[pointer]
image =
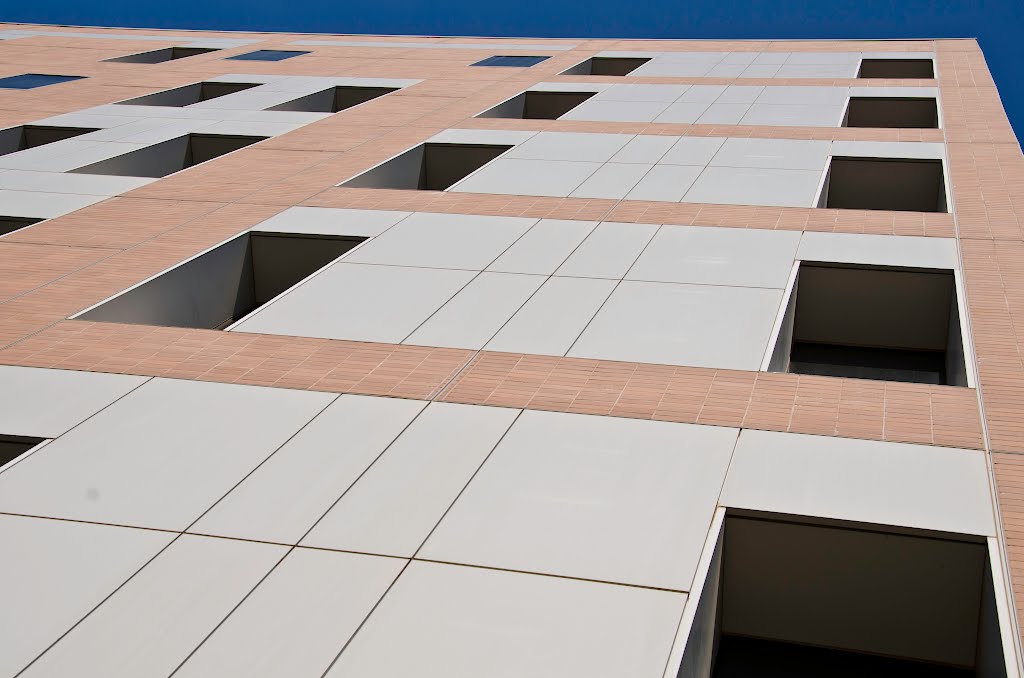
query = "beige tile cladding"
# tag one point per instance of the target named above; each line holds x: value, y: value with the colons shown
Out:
x: 58, y: 267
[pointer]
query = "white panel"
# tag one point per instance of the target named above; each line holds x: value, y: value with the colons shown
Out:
x: 395, y: 505
x: 772, y: 154
x: 160, y: 456
x: 658, y: 69
x: 740, y: 94
x: 748, y: 186
x: 555, y: 178
x: 443, y: 241
x: 647, y: 149
x: 889, y: 149
x: 898, y: 92
x: 723, y: 114
x: 570, y: 146
x: 724, y: 70
x: 702, y: 94
x: 297, y: 620
x: 497, y: 137
x: 155, y: 620
x: 601, y: 498
x: 544, y: 247
x: 879, y: 250
x: 479, y: 310
x: 55, y: 572
x: 46, y: 403
x: 609, y: 251
x: 693, y: 151
x: 36, y: 205
x: 463, y: 622
x: 718, y: 256
x: 288, y: 493
x: 709, y: 58
x: 667, y: 183
x: 328, y: 221
x: 696, y: 325
x: 811, y: 58
x: 79, y: 184
x: 794, y: 115
x: 760, y: 71
x: 359, y: 302
x: 611, y: 181
x: 813, y: 96
x: 817, y: 71
x: 683, y: 112
x: 551, y: 320
x: 663, y: 93
x: 869, y: 481
x: 256, y: 128
x: 616, y: 111
x: 766, y: 58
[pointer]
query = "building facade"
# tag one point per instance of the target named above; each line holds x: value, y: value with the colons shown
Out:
x: 387, y: 356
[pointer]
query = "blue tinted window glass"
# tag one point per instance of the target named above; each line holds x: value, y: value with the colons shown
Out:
x: 267, y: 55
x: 518, y: 61
x: 33, y: 80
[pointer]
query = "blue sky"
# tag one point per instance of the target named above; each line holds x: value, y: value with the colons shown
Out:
x: 998, y: 24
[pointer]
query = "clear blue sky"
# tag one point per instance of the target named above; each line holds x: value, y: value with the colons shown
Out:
x: 998, y: 24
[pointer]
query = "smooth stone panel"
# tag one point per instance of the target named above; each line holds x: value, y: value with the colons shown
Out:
x: 445, y: 621
x: 599, y: 498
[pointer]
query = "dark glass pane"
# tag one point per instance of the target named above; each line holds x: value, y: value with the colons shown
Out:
x: 267, y: 55
x: 33, y: 80
x: 515, y: 61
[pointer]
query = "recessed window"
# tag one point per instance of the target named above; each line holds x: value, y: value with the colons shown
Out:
x: 12, y: 447
x: 885, y: 184
x: 892, y: 112
x: 428, y: 167
x: 607, y: 66
x: 800, y: 598
x: 33, y: 80
x: 513, y: 61
x: 897, y: 68
x: 334, y: 99
x: 190, y: 94
x: 159, y: 56
x: 224, y: 284
x: 14, y: 139
x: 894, y: 324
x: 169, y: 157
x: 12, y: 224
x: 538, y: 105
x: 267, y: 55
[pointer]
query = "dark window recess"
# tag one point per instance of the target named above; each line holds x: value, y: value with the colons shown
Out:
x: 607, y: 66
x: 428, y: 167
x: 33, y: 80
x: 873, y: 323
x: 12, y: 447
x: 792, y: 597
x: 885, y: 184
x: 170, y: 156
x: 538, y: 105
x: 267, y: 55
x: 334, y: 99
x: 12, y: 224
x: 897, y: 68
x: 14, y: 139
x: 190, y: 94
x: 159, y: 56
x: 513, y: 61
x: 225, y: 284
x: 892, y: 112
